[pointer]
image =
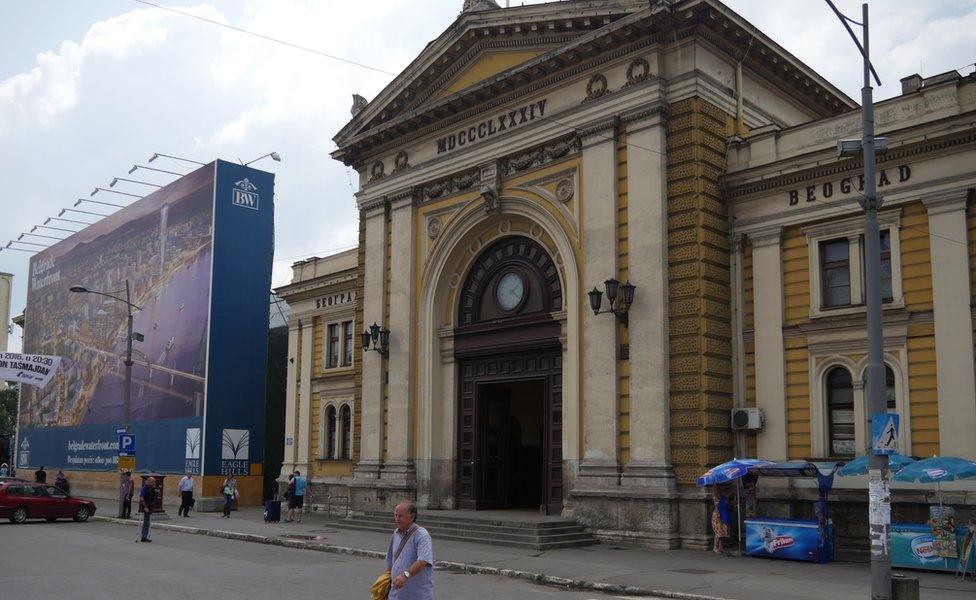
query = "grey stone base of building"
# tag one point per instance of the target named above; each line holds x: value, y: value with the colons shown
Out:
x: 651, y: 516
x: 643, y: 510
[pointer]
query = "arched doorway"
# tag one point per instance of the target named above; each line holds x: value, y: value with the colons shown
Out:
x: 509, y: 355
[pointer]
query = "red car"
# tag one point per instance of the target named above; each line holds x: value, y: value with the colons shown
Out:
x: 20, y: 500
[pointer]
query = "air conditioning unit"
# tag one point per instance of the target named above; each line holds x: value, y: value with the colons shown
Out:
x: 747, y: 418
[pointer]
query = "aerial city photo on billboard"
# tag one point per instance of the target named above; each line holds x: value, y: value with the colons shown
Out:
x: 161, y: 245
x: 160, y: 251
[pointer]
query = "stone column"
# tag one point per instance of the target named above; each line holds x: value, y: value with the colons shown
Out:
x: 738, y: 338
x: 767, y: 273
x: 304, y: 440
x: 399, y: 464
x: 291, y: 399
x: 374, y: 303
x: 600, y: 465
x: 647, y: 218
x: 951, y: 301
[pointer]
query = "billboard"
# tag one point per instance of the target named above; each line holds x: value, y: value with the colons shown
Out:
x: 196, y: 256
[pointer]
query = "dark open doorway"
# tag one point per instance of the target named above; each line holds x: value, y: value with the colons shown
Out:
x: 512, y: 443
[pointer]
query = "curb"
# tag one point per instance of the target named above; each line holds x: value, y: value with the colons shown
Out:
x: 455, y: 567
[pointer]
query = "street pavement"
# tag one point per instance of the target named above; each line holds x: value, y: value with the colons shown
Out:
x: 677, y: 571
x: 683, y: 571
x: 103, y: 561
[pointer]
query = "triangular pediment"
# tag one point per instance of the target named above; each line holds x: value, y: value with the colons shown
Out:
x: 482, y: 44
x: 486, y: 65
x: 490, y: 53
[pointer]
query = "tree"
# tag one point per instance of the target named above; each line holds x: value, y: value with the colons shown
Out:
x: 8, y: 411
x: 8, y: 419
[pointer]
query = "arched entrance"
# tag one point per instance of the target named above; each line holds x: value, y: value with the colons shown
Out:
x: 509, y: 401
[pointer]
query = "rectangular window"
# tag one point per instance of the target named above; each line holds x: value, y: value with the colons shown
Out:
x: 835, y: 272
x: 333, y: 346
x: 886, y: 295
x: 347, y: 343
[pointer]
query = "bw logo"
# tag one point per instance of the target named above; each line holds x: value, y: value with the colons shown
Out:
x: 245, y: 194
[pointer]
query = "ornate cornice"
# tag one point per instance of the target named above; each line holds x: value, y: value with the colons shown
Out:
x: 845, y: 167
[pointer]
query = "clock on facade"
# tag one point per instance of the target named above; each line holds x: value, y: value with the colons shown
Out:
x: 510, y: 291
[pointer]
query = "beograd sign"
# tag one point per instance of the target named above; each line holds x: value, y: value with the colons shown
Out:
x: 487, y: 128
x: 812, y: 193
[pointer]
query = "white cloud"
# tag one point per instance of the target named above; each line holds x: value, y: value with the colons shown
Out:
x: 50, y: 89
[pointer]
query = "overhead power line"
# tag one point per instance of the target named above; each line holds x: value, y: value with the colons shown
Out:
x: 263, y: 37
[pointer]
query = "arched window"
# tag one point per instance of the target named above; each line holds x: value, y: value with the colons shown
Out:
x: 840, y: 412
x: 890, y: 404
x: 345, y: 429
x: 330, y: 436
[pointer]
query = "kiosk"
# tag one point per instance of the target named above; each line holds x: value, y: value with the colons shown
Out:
x: 810, y: 540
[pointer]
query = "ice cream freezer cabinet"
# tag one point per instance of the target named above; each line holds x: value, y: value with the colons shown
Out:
x: 790, y: 539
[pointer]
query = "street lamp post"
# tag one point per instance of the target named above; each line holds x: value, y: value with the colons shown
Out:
x: 127, y: 391
x: 879, y: 498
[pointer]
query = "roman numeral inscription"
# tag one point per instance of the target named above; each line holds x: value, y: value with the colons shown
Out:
x: 489, y: 127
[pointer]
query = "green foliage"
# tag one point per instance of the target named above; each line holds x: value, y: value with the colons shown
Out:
x: 8, y: 411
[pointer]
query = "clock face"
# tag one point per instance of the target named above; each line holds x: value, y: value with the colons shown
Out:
x: 510, y: 291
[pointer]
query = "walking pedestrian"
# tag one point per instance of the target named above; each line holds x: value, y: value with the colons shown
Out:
x: 229, y: 490
x: 128, y: 489
x: 4, y: 470
x: 410, y: 557
x: 186, y: 494
x: 61, y: 482
x: 147, y: 499
x: 720, y: 520
x: 296, y: 503
x: 40, y: 475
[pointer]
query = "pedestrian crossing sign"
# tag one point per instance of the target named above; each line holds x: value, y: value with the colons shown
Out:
x: 884, y: 433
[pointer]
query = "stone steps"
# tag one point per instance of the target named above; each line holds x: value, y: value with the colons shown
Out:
x: 549, y: 534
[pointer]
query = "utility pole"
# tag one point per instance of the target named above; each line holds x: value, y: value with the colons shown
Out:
x: 127, y: 392
x: 879, y: 494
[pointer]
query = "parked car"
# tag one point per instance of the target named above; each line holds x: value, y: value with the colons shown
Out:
x: 21, y: 500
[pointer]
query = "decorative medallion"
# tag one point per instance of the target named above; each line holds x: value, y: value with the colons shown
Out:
x: 637, y: 71
x: 535, y: 231
x: 401, y: 161
x: 377, y: 170
x: 504, y: 227
x: 596, y: 87
x: 434, y: 227
x: 564, y: 190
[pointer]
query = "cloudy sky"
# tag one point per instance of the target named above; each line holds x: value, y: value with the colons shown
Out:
x: 90, y: 87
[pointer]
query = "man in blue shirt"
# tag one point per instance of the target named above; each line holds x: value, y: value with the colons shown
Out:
x: 297, y: 500
x: 410, y: 557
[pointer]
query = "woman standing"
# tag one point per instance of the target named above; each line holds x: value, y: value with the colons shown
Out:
x: 720, y: 520
x: 229, y: 489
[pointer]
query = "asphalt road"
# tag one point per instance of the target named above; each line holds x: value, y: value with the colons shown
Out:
x: 103, y: 561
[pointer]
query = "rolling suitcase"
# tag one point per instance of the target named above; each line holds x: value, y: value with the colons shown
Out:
x: 272, y: 511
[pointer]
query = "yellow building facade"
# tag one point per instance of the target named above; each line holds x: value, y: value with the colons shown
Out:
x: 533, y: 160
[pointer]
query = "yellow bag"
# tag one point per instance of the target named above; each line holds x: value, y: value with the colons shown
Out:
x: 380, y: 589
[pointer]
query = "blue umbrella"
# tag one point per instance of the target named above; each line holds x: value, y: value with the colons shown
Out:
x: 731, y: 470
x: 859, y: 466
x: 937, y: 469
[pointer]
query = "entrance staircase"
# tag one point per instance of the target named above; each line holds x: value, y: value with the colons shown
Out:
x: 499, y: 528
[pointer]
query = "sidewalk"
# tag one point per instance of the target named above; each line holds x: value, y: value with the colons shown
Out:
x: 679, y: 574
